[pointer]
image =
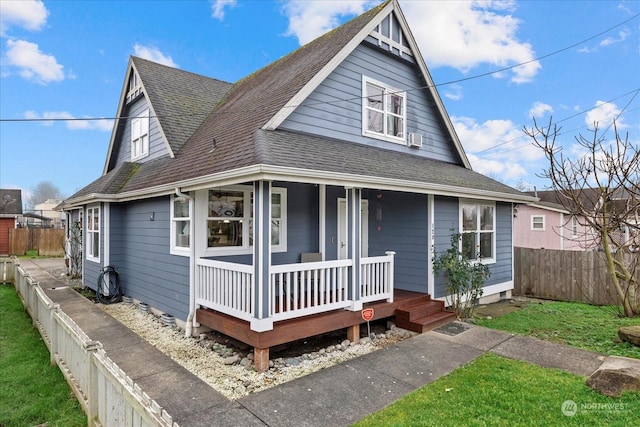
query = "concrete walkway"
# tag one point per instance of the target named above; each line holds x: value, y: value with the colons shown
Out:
x: 336, y: 396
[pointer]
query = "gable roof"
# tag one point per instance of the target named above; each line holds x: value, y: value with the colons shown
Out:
x: 235, y: 142
x: 179, y: 100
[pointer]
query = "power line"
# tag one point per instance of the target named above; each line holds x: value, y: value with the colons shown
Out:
x: 501, y: 70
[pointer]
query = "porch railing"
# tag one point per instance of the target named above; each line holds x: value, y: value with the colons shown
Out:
x: 226, y: 287
x: 295, y: 290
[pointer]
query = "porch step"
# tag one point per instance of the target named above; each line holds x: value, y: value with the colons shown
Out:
x: 419, y: 309
x: 423, y: 316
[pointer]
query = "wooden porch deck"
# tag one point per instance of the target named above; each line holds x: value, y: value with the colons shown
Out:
x: 413, y: 311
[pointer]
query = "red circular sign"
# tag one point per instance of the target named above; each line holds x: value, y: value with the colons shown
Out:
x: 367, y: 314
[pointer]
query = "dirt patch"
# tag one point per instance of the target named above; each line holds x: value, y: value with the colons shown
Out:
x: 501, y: 308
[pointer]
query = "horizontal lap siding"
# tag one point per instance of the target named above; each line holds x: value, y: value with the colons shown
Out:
x: 447, y: 218
x: 334, y: 109
x: 157, y: 147
x: 148, y: 272
x: 402, y: 228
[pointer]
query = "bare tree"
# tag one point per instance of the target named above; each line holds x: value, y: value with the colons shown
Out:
x: 42, y: 192
x: 602, y: 188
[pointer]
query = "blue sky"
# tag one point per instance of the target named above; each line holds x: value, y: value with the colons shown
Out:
x: 67, y: 59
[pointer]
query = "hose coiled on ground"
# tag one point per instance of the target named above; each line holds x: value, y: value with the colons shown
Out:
x: 108, y: 282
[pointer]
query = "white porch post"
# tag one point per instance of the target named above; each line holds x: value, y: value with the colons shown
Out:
x: 354, y: 200
x: 261, y: 255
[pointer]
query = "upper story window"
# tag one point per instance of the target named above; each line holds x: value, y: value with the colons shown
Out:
x: 140, y: 136
x: 384, y: 113
x: 230, y: 220
x: 180, y: 225
x: 537, y: 222
x: 93, y: 233
x: 477, y: 226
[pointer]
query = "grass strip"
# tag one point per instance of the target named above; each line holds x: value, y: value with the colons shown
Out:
x: 32, y: 392
x: 495, y: 391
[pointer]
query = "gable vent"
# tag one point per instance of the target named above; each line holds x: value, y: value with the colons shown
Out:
x: 415, y: 140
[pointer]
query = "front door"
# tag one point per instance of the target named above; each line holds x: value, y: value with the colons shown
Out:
x: 343, y: 249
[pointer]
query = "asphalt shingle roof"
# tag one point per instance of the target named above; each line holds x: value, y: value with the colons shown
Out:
x: 231, y: 137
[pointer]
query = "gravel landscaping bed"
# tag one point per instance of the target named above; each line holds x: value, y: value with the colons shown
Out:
x: 227, y: 365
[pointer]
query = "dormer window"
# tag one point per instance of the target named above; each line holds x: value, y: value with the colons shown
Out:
x: 140, y: 136
x: 384, y: 111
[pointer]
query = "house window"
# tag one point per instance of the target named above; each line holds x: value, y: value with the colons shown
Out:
x: 180, y: 225
x: 230, y: 219
x: 574, y: 226
x: 384, y: 112
x: 140, y: 136
x: 537, y: 222
x: 93, y: 233
x: 478, y: 224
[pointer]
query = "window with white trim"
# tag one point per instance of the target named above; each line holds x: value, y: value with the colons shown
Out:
x: 574, y: 226
x: 477, y: 229
x: 180, y: 225
x: 140, y: 136
x: 537, y: 223
x: 229, y: 219
x: 384, y: 112
x: 93, y: 233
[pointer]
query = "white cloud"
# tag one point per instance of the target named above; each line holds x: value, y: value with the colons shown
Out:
x: 453, y: 92
x: 465, y: 34
x: 458, y: 34
x: 153, y: 54
x: 622, y: 36
x: 602, y: 115
x: 539, y: 109
x: 28, y: 14
x: 218, y: 6
x: 33, y: 64
x: 310, y: 19
x: 72, y: 123
x: 497, y: 148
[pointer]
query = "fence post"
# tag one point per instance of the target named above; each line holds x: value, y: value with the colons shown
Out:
x: 92, y: 393
x: 53, y: 311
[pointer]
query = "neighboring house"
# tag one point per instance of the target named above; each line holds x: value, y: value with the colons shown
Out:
x: 280, y: 206
x: 10, y: 211
x: 47, y: 209
x: 547, y: 225
x: 575, y: 234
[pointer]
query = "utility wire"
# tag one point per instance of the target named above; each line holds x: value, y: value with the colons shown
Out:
x: 346, y: 99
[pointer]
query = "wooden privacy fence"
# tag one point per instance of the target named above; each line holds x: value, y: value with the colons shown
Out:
x: 565, y: 275
x: 48, y: 241
x: 107, y: 395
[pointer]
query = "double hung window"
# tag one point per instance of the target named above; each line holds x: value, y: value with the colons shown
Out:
x: 140, y: 136
x: 93, y: 233
x: 537, y: 222
x: 384, y: 111
x: 478, y: 231
x: 180, y: 225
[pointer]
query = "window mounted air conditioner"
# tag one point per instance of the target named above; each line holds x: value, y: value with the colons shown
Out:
x: 415, y: 140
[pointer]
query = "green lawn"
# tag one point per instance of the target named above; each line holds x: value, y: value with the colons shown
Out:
x: 494, y: 391
x: 579, y: 325
x: 32, y: 392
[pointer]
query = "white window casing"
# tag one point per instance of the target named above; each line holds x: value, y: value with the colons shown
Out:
x: 93, y: 233
x: 478, y: 230
x: 180, y: 212
x: 384, y: 111
x: 229, y: 220
x: 538, y: 222
x: 140, y: 136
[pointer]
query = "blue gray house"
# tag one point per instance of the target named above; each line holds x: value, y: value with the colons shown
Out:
x: 280, y: 206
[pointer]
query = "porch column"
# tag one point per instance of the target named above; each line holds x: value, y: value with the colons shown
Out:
x: 261, y: 255
x: 354, y: 235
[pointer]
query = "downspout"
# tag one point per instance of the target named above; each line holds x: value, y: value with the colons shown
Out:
x: 192, y: 266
